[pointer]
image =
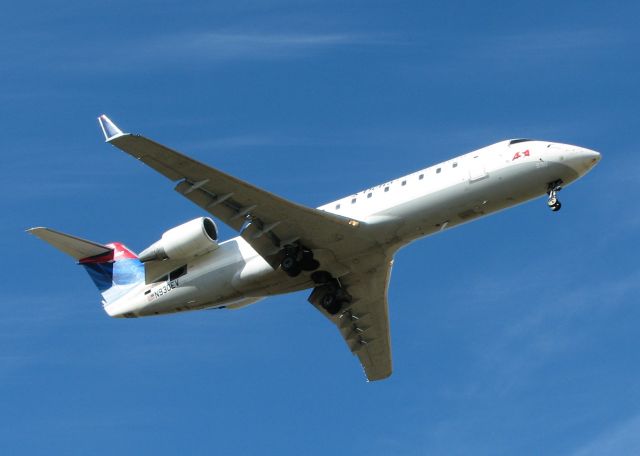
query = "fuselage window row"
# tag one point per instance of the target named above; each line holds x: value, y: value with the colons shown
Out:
x: 402, y: 183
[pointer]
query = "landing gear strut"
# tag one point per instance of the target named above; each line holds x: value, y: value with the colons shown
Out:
x: 553, y: 202
x: 297, y: 259
x: 328, y: 293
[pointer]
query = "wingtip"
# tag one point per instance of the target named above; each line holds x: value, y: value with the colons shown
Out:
x: 109, y: 129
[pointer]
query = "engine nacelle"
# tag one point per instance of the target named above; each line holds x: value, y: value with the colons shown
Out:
x: 185, y: 241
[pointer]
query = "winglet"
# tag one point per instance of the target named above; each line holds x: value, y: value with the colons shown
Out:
x: 109, y: 129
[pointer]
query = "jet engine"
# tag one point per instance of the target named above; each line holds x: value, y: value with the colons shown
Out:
x: 185, y: 241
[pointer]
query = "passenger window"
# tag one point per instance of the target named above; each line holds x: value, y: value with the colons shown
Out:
x: 421, y: 176
x: 369, y: 195
x: 438, y: 170
x: 386, y: 189
x: 455, y: 165
x: 353, y: 201
x: 337, y: 206
x: 182, y: 270
x: 404, y: 182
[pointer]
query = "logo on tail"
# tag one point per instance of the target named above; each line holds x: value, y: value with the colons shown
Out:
x: 115, y: 272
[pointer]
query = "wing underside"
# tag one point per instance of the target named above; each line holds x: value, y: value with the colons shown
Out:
x: 266, y: 221
x: 364, y: 323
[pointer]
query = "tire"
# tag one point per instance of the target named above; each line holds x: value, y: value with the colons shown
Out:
x: 321, y: 277
x: 295, y: 272
x: 552, y: 201
x: 556, y: 207
x: 288, y: 263
x: 331, y: 303
x: 291, y: 266
x: 309, y: 264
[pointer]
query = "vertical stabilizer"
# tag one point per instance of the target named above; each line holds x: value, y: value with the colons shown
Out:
x: 114, y: 269
x: 116, y: 272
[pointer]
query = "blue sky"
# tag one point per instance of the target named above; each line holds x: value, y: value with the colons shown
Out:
x: 516, y: 334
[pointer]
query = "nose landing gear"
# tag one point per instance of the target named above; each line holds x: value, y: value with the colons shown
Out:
x: 553, y: 202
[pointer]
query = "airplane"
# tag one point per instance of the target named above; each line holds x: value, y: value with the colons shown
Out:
x: 343, y: 251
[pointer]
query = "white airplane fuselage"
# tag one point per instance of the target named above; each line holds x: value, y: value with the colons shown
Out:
x: 396, y: 213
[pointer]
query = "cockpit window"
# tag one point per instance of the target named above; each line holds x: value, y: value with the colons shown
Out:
x: 520, y: 140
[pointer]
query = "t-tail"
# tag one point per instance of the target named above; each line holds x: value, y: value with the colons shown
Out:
x: 114, y: 269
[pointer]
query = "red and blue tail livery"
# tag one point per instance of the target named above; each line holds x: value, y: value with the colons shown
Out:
x: 114, y: 269
x: 115, y: 272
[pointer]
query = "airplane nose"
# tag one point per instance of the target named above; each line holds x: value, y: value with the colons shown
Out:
x: 582, y: 160
x: 589, y: 157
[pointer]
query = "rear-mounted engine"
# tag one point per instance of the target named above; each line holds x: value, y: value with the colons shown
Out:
x: 185, y: 241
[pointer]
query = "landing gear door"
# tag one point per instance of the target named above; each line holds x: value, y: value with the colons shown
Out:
x: 477, y: 171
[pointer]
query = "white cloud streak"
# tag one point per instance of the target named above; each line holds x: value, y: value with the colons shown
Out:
x: 623, y: 439
x: 192, y: 49
x: 238, y: 46
x: 530, y: 341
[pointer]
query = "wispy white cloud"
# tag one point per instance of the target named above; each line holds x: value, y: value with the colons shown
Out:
x: 214, y: 45
x: 540, y: 334
x: 204, y: 47
x: 622, y: 439
x: 131, y: 53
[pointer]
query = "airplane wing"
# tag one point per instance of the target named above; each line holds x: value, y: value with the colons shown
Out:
x: 364, y: 323
x: 266, y: 221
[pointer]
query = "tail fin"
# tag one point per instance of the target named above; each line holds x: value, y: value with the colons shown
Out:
x: 114, y: 269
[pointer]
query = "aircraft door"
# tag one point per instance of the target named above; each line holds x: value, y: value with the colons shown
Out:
x: 477, y: 171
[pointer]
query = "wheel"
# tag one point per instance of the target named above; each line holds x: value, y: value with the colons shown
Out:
x: 288, y: 263
x: 290, y: 266
x: 308, y: 263
x: 331, y: 303
x: 321, y: 277
x: 552, y: 201
x: 556, y: 207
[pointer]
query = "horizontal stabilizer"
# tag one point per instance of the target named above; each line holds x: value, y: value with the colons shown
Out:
x: 74, y: 246
x: 109, y: 129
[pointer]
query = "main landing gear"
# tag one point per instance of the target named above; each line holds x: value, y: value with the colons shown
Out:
x: 553, y: 202
x: 297, y: 259
x: 328, y: 293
